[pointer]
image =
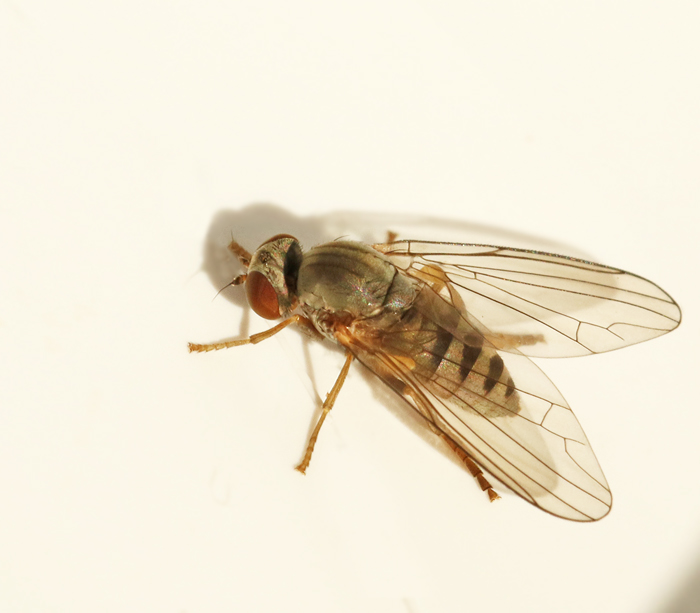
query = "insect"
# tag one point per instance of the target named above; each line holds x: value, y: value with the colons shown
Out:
x: 450, y: 328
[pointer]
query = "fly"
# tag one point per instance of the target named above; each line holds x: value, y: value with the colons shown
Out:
x: 450, y: 328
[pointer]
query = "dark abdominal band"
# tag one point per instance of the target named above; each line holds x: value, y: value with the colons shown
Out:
x: 447, y: 347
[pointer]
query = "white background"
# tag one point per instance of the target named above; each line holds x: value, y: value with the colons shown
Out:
x: 137, y: 137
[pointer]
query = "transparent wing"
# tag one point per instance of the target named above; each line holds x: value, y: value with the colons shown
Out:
x: 540, y: 304
x: 529, y: 438
x: 541, y: 453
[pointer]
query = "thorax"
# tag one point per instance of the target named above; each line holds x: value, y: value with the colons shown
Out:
x: 348, y: 281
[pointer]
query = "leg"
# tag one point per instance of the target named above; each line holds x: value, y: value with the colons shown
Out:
x: 299, y: 320
x: 472, y: 467
x: 436, y: 278
x: 513, y: 341
x: 327, y: 406
x: 424, y: 408
x: 433, y: 275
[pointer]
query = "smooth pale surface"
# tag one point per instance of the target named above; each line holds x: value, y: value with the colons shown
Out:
x: 136, y: 137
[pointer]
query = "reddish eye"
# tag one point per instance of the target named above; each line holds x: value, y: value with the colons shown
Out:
x: 262, y: 297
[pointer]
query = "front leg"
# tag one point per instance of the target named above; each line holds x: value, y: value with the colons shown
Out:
x: 299, y: 320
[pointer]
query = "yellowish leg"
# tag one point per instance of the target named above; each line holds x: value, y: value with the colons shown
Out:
x: 256, y: 338
x: 470, y: 464
x: 472, y: 467
x: 327, y: 406
x: 513, y: 341
x: 434, y: 276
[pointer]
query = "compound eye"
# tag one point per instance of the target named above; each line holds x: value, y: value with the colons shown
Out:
x: 262, y: 297
x: 277, y: 237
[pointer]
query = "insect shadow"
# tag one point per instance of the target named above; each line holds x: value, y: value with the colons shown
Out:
x: 257, y: 222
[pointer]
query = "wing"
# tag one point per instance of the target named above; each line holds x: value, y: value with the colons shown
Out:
x: 540, y: 304
x: 502, y: 410
x: 540, y: 452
